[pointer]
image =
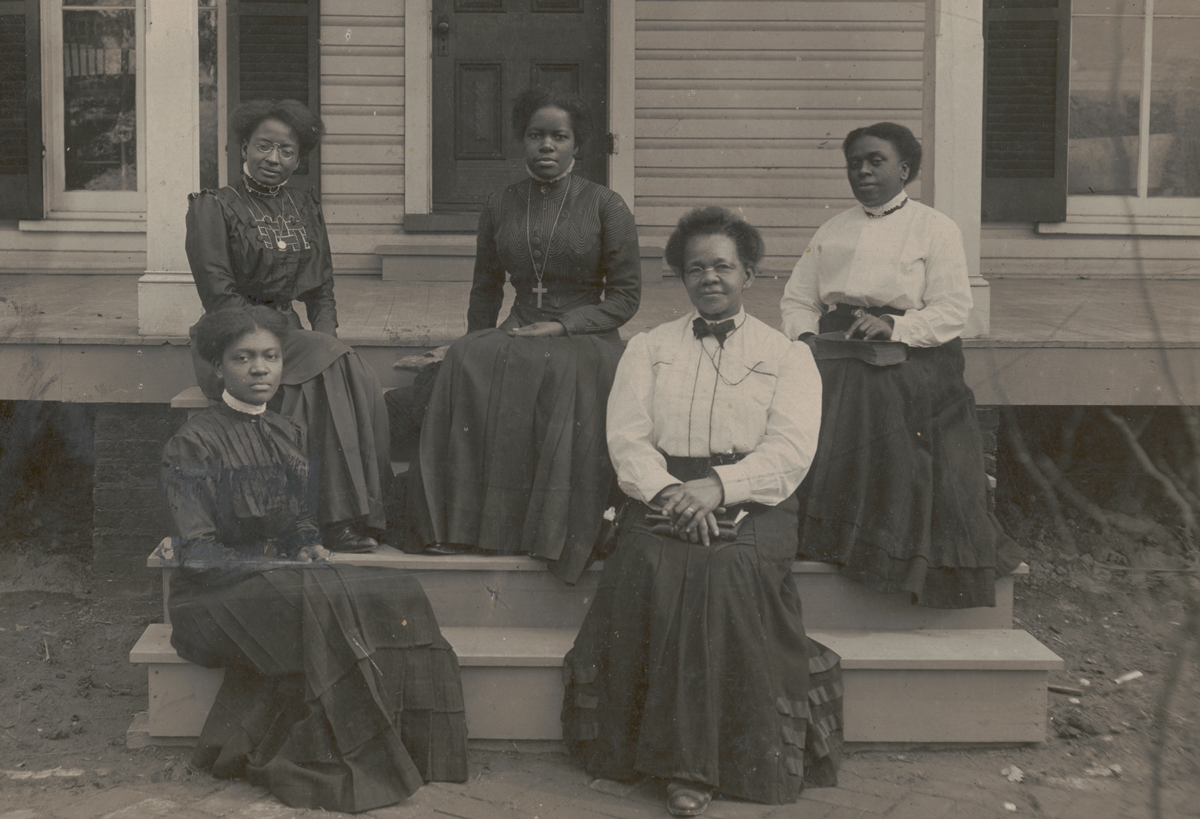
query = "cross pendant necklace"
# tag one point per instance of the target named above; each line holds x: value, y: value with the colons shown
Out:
x: 540, y: 288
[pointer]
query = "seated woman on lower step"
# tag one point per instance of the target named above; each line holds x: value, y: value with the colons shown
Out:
x: 340, y: 692
x: 692, y: 665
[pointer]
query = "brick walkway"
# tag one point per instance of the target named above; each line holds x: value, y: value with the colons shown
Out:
x: 505, y: 785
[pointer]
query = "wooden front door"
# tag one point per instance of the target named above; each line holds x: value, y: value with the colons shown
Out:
x: 485, y: 53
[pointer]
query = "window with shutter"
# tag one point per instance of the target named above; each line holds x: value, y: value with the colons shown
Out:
x: 274, y: 54
x: 1026, y: 71
x: 20, y: 110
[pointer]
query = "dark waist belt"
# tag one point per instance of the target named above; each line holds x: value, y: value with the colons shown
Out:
x: 693, y: 469
x: 281, y: 306
x: 841, y: 316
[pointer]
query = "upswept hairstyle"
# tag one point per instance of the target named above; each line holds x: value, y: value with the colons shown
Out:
x: 715, y: 221
x: 530, y: 102
x: 249, y: 115
x: 217, y: 331
x: 902, y: 140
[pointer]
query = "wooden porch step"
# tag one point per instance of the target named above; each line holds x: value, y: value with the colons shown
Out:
x: 519, y: 592
x: 944, y: 686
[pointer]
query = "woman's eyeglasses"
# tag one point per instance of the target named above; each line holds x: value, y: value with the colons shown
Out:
x: 286, y: 152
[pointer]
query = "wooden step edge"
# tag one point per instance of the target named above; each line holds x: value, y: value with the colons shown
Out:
x: 933, y: 650
x: 388, y: 557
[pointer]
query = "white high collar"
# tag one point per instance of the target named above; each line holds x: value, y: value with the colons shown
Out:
x: 242, y: 406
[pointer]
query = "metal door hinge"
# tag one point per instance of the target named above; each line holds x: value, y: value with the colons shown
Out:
x: 610, y: 143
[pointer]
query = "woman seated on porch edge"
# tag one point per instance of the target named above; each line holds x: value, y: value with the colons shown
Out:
x: 512, y: 456
x: 897, y: 495
x: 340, y: 692
x: 692, y: 664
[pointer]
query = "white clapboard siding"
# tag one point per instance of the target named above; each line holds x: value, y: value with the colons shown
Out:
x: 362, y: 103
x: 1018, y: 251
x: 745, y: 104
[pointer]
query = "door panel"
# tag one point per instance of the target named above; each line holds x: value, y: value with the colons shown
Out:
x: 485, y: 53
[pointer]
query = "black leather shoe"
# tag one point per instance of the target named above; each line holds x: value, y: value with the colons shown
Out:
x: 687, y: 798
x: 344, y: 539
x: 448, y: 549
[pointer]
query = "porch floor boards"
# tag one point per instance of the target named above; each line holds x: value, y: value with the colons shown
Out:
x: 83, y: 309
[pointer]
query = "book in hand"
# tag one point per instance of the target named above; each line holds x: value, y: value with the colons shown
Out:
x: 878, y: 352
x: 727, y: 523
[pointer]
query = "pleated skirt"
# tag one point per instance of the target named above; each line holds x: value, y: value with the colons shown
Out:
x: 513, y: 456
x: 336, y: 399
x: 897, y: 494
x: 340, y: 692
x: 692, y: 663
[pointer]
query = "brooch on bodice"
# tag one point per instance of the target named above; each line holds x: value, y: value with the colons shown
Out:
x: 282, y: 233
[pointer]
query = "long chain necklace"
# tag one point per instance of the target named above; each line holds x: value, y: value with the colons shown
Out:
x: 540, y: 289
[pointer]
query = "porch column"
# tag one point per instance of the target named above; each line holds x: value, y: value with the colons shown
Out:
x: 167, y: 300
x: 954, y: 131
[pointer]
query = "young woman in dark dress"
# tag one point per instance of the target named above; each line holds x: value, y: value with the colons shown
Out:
x: 897, y: 495
x: 256, y: 242
x: 692, y: 664
x: 512, y: 456
x: 340, y: 692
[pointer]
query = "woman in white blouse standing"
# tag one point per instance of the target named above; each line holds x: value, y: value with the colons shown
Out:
x: 897, y: 494
x: 692, y: 665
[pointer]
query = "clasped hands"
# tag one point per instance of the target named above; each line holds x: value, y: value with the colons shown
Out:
x: 692, y: 508
x: 868, y: 327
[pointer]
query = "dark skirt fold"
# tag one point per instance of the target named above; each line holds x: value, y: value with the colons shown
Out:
x: 340, y: 692
x: 897, y: 494
x: 693, y: 664
x: 513, y: 455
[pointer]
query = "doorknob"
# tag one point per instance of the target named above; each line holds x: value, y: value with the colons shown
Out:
x: 443, y: 35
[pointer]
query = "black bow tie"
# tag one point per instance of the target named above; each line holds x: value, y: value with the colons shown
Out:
x: 720, y: 331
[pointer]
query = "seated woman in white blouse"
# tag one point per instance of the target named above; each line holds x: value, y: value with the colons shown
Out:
x: 692, y: 665
x: 897, y: 494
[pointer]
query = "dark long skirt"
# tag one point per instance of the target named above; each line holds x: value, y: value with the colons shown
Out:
x: 693, y: 664
x: 340, y: 692
x: 336, y: 399
x: 897, y: 495
x: 513, y: 455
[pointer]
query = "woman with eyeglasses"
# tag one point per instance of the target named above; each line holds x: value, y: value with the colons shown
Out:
x: 257, y: 242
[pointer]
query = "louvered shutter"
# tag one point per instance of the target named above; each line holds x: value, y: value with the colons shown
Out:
x: 20, y: 110
x: 1026, y: 103
x: 274, y: 54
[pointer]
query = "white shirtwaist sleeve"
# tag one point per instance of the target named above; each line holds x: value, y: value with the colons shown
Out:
x: 771, y: 473
x: 641, y: 468
x: 801, y: 304
x: 947, y: 293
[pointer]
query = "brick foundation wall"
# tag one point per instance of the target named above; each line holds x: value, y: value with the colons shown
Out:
x: 130, y: 516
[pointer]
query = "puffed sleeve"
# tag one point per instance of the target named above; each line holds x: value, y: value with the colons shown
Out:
x: 641, y: 469
x: 207, y: 246
x: 487, y: 287
x: 801, y: 304
x: 621, y: 267
x: 947, y: 293
x: 318, y: 301
x: 188, y: 481
x: 781, y: 459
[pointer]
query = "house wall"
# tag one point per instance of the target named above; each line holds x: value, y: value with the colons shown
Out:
x: 745, y: 104
x: 1013, y: 250
x: 362, y: 103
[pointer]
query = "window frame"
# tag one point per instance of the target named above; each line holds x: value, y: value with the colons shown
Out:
x: 59, y: 202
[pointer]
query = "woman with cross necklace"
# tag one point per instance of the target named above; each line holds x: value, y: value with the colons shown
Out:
x: 512, y: 456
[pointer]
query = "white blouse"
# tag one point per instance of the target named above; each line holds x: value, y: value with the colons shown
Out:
x: 683, y: 396
x: 911, y: 259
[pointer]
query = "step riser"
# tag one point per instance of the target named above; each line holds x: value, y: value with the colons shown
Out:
x: 894, y: 705
x: 523, y: 599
